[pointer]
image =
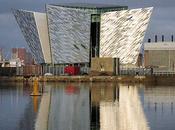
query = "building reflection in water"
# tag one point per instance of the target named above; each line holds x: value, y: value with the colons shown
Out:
x: 116, y: 107
x: 94, y: 106
x: 97, y: 107
x: 102, y: 98
x: 35, y: 103
x: 131, y: 112
x: 69, y: 107
x: 159, y: 104
x: 16, y: 107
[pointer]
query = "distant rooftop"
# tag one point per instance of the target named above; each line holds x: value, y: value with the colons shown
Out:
x: 89, y: 5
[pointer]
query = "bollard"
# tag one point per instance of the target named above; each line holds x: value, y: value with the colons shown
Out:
x: 35, y: 89
x: 35, y: 103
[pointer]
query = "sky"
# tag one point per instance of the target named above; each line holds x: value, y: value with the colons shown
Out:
x: 162, y: 20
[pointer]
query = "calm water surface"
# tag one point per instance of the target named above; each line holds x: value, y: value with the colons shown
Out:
x: 100, y: 106
x: 90, y: 106
x: 18, y: 109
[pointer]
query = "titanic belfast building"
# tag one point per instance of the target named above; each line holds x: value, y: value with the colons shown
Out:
x: 71, y: 34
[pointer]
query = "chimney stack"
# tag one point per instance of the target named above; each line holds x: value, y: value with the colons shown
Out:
x: 155, y: 38
x: 163, y: 38
x: 149, y: 40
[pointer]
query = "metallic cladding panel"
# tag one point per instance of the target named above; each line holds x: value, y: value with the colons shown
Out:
x: 69, y: 31
x: 42, y: 27
x: 122, y: 33
x: 27, y: 24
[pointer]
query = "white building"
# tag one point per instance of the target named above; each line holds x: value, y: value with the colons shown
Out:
x: 160, y: 56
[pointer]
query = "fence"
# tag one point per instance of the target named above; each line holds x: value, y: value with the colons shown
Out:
x: 54, y: 70
x: 59, y: 70
x: 136, y: 71
x: 7, y: 71
x: 159, y: 73
x: 30, y: 70
x: 36, y: 70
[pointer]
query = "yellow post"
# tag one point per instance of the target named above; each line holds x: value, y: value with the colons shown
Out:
x: 35, y: 103
x: 35, y: 88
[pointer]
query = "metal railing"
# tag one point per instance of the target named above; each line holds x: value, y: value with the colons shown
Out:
x: 136, y: 71
x: 59, y: 70
x: 164, y: 73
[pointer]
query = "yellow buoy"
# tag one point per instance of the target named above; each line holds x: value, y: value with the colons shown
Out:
x: 35, y: 88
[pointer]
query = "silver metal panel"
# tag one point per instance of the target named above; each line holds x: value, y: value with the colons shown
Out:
x: 42, y: 27
x: 27, y: 24
x: 69, y: 31
x: 122, y: 33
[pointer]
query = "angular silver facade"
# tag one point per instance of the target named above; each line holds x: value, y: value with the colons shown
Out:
x: 42, y: 27
x: 62, y: 35
x: 27, y: 24
x: 69, y: 31
x: 122, y: 33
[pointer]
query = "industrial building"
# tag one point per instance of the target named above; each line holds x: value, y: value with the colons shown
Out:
x: 74, y: 34
x: 160, y: 56
x: 21, y: 55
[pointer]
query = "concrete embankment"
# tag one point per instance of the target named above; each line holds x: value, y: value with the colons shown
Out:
x: 98, y: 79
x: 163, y: 79
x: 134, y: 79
